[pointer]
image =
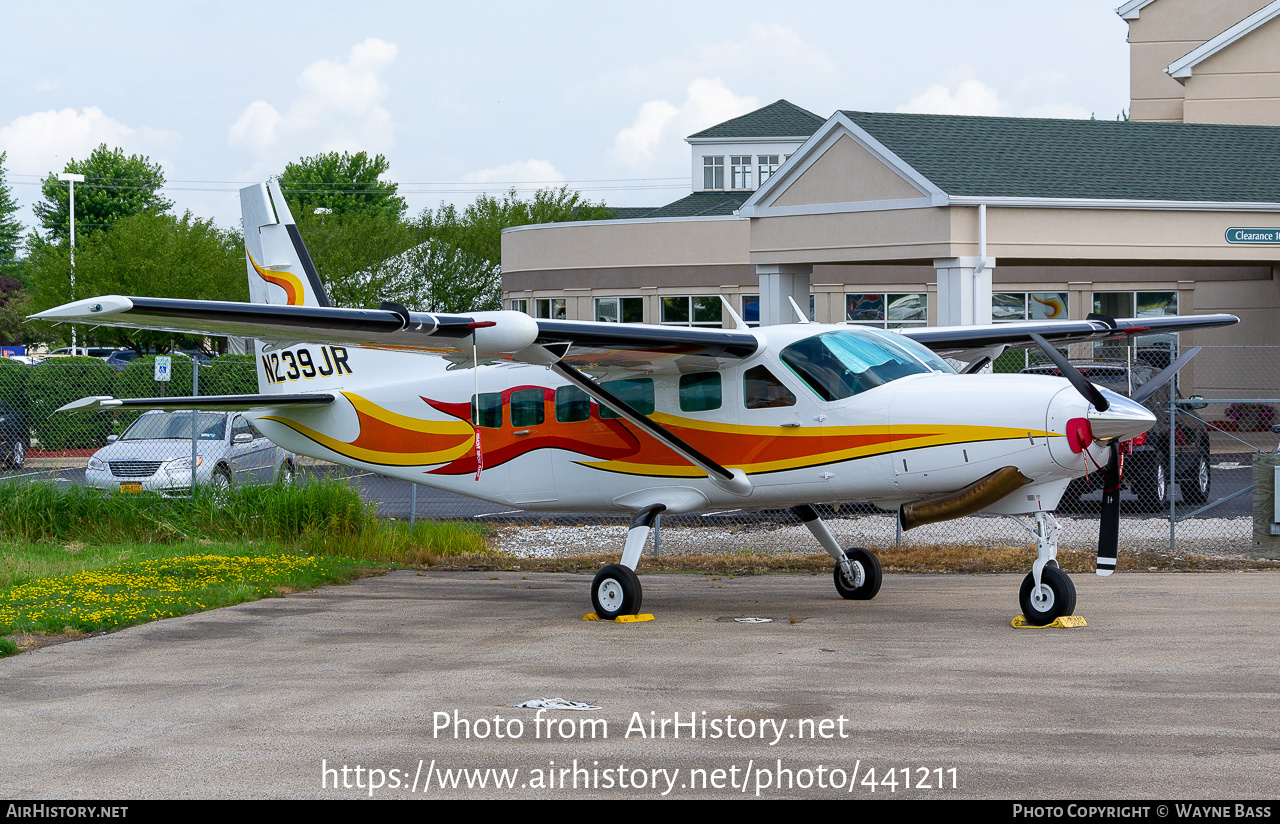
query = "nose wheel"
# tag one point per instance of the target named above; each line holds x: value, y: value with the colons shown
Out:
x: 1054, y: 598
x: 616, y: 591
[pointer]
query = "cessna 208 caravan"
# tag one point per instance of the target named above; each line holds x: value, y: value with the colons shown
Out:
x: 605, y: 417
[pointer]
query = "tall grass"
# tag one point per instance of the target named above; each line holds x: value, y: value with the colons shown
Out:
x: 322, y: 517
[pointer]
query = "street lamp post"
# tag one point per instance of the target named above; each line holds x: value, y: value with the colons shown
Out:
x: 71, y: 180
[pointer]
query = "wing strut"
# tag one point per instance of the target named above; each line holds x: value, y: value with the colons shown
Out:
x: 730, y: 480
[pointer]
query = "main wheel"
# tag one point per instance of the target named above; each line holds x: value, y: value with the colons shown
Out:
x: 616, y: 591
x: 866, y: 576
x: 1055, y: 598
x: 1195, y: 489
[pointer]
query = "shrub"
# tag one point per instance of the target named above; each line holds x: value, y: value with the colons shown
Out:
x: 230, y: 375
x: 56, y: 383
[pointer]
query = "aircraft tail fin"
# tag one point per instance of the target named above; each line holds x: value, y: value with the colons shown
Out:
x: 279, y: 267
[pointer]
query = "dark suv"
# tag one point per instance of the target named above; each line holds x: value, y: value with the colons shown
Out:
x: 1146, y: 461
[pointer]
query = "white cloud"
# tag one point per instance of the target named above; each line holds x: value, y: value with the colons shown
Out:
x: 338, y: 109
x: 527, y: 172
x: 42, y: 142
x: 658, y: 132
x: 971, y: 96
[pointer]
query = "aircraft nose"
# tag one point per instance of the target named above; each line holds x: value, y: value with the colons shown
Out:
x: 1123, y: 419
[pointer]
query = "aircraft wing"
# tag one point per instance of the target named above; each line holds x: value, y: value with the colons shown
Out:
x: 221, y: 403
x: 957, y: 339
x: 390, y: 326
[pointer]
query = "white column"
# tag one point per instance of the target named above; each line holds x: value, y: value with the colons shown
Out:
x: 964, y: 293
x: 778, y: 281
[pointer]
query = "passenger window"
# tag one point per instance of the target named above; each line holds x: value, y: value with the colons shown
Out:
x: 572, y: 404
x: 761, y: 390
x: 490, y: 411
x: 700, y: 392
x: 636, y: 392
x: 527, y: 407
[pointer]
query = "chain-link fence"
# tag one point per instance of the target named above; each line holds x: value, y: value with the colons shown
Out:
x: 1204, y: 485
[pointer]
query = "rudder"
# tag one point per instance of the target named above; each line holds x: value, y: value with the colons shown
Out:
x: 278, y: 265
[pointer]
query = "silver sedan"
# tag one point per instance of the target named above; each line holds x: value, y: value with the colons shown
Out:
x: 154, y: 454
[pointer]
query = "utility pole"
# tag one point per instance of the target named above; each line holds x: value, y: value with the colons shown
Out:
x: 71, y: 180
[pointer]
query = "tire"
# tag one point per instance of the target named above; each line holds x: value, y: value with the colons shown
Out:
x: 220, y: 485
x: 869, y: 567
x: 1195, y: 489
x: 616, y: 591
x: 285, y: 476
x: 17, y: 455
x: 1058, y: 597
x: 1151, y: 485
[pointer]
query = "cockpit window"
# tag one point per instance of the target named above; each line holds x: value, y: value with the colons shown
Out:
x: 838, y: 365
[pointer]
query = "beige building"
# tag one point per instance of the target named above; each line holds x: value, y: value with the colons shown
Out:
x: 903, y: 219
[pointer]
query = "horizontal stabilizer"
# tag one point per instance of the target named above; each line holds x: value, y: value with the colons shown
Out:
x: 224, y: 403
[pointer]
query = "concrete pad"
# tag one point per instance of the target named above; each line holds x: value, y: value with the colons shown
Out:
x: 1169, y: 692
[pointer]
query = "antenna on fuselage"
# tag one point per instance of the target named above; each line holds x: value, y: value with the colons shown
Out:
x: 802, y: 316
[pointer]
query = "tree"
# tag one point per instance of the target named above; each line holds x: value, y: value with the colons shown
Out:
x: 153, y: 255
x: 115, y: 187
x: 341, y: 183
x: 479, y: 228
x: 10, y: 226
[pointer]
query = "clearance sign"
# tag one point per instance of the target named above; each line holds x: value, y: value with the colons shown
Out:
x: 1247, y: 235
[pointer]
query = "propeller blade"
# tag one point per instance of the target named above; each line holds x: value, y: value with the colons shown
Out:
x: 1152, y: 386
x: 1109, y: 527
x: 1090, y: 392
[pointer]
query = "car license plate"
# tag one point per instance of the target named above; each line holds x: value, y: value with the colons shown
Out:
x: 130, y: 487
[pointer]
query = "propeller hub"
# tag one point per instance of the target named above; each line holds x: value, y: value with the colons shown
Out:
x: 1122, y: 419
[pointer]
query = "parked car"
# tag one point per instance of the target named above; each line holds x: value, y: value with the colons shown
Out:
x: 154, y: 455
x: 1146, y: 462
x: 15, y: 436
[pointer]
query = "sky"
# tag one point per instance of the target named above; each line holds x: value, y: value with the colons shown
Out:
x: 469, y: 97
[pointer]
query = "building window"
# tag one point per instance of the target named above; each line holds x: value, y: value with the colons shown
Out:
x: 1011, y: 307
x: 768, y: 166
x: 713, y: 172
x: 551, y: 308
x: 620, y: 310
x: 751, y: 309
x: 887, y: 311
x: 520, y: 305
x: 740, y: 167
x: 1157, y: 350
x: 695, y: 310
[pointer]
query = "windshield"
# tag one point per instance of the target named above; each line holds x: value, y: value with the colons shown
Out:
x: 837, y: 365
x: 210, y: 426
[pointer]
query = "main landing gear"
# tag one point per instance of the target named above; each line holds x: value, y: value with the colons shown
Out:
x: 1047, y: 592
x: 857, y: 572
x: 616, y: 589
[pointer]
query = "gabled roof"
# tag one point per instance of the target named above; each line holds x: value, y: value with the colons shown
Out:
x: 779, y: 119
x: 1183, y: 66
x: 1091, y: 159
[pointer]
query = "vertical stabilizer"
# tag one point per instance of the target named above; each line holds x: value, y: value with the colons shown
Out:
x: 279, y: 267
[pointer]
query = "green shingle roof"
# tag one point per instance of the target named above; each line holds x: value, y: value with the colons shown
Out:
x: 1032, y: 157
x: 703, y: 204
x: 780, y: 119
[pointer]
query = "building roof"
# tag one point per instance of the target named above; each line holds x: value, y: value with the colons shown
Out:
x: 1096, y: 159
x: 779, y: 119
x: 628, y: 212
x: 701, y: 204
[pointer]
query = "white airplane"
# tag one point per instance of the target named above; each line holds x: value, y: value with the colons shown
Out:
x: 604, y: 417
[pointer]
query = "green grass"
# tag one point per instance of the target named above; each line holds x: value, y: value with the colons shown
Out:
x: 76, y: 560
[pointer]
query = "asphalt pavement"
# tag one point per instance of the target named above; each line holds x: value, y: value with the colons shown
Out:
x: 404, y: 685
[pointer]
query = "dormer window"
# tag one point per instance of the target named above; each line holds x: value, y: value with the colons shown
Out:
x: 740, y: 168
x: 713, y: 172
